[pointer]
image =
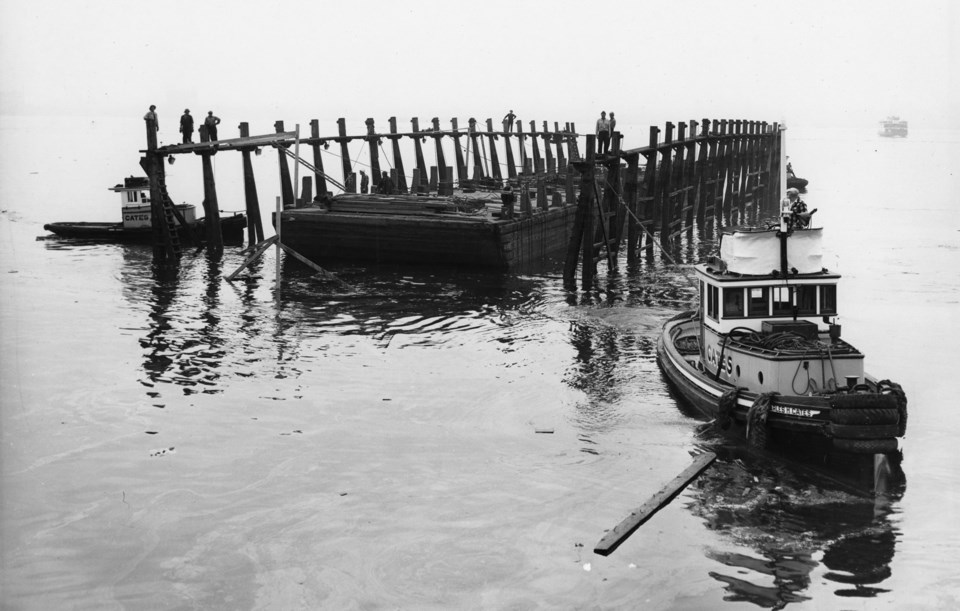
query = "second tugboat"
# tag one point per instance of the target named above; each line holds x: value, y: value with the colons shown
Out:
x: 763, y: 352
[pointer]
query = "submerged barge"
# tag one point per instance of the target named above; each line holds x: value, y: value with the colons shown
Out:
x: 464, y: 229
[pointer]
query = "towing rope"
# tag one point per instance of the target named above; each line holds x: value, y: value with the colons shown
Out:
x: 757, y: 414
x: 728, y: 403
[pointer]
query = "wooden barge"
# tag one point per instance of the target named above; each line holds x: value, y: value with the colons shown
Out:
x: 460, y: 230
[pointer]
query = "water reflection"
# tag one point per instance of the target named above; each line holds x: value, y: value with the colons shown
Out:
x: 795, y: 522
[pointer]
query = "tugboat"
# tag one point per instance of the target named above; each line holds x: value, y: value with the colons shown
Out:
x: 763, y: 352
x: 794, y: 181
x: 137, y: 218
x: 893, y: 127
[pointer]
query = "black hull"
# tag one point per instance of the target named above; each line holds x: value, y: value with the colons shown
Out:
x: 231, y: 228
x: 797, y: 426
x: 797, y: 183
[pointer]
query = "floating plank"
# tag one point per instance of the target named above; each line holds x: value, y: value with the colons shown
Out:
x: 612, y: 540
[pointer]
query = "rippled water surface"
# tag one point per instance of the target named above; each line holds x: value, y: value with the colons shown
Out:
x: 426, y: 438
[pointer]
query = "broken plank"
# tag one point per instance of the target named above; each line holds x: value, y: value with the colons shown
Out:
x: 619, y: 533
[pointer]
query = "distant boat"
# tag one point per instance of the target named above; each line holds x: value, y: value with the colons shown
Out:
x: 136, y: 225
x: 794, y: 182
x: 893, y: 127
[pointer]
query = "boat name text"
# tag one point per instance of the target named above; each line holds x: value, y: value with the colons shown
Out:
x: 793, y: 411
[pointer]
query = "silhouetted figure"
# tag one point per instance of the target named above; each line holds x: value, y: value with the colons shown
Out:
x: 211, y: 123
x: 186, y: 126
x: 507, y: 199
x: 603, y: 134
x: 364, y: 182
x: 508, y: 121
x: 152, y: 116
x: 386, y: 185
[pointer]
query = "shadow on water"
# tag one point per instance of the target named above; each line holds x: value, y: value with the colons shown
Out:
x: 801, y: 525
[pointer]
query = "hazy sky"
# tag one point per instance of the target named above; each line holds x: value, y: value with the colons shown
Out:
x: 817, y: 62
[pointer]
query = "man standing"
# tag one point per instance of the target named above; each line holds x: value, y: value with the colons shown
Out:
x: 603, y: 134
x: 386, y: 185
x: 613, y: 124
x: 211, y: 123
x: 186, y: 126
x: 508, y: 121
x: 364, y: 181
x: 152, y: 116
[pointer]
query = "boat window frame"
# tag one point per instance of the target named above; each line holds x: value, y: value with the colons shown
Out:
x: 776, y: 297
x: 733, y: 292
x: 765, y: 292
x: 825, y: 292
x: 812, y: 292
x: 713, y: 299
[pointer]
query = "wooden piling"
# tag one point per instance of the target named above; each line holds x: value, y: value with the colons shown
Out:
x: 349, y: 182
x: 254, y: 221
x: 286, y: 186
x: 551, y: 168
x: 462, y: 175
x: 373, y: 141
x: 511, y: 164
x: 319, y: 176
x: 651, y: 186
x: 561, y: 161
x: 478, y: 175
x: 494, y: 158
x: 537, y: 161
x: 399, y: 178
x: 444, y: 177
x: 211, y: 209
x: 631, y: 200
x: 421, y: 186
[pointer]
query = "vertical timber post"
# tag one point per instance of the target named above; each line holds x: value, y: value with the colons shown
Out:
x: 651, y: 186
x: 537, y: 161
x: 458, y: 153
x: 373, y: 141
x: 445, y: 181
x: 588, y: 267
x: 286, y: 187
x: 631, y: 193
x: 211, y: 208
x: 254, y: 221
x: 397, y: 157
x: 349, y: 180
x: 419, y: 185
x: 494, y: 158
x: 319, y: 176
x: 478, y: 176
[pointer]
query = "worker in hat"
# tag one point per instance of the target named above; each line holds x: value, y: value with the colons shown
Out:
x: 186, y: 126
x: 211, y: 122
x: 799, y: 217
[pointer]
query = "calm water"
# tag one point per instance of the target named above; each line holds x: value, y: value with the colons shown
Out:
x: 187, y: 443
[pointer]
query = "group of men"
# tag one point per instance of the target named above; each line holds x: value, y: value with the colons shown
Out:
x: 605, y: 129
x: 385, y: 185
x: 210, y: 123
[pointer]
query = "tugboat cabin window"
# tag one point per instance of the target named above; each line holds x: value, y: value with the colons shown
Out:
x: 807, y: 300
x: 131, y: 196
x: 828, y: 299
x: 781, y: 301
x: 733, y: 303
x: 757, y: 303
x: 713, y: 301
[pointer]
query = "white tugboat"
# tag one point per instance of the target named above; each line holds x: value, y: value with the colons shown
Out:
x: 763, y: 350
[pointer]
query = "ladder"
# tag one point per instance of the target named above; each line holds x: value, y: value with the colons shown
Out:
x: 168, y: 221
x: 608, y: 240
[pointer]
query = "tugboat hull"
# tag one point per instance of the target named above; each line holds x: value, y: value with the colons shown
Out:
x: 865, y: 420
